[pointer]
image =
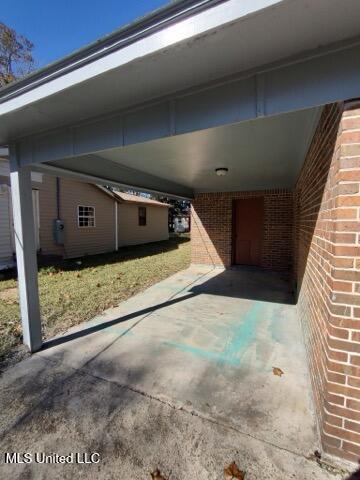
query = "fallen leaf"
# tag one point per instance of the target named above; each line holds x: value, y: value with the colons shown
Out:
x: 233, y: 471
x: 277, y: 371
x: 17, y: 331
x: 156, y: 475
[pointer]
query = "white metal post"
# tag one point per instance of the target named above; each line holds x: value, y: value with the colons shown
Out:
x: 24, y: 233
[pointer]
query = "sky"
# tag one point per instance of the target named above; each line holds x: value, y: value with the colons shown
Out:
x: 58, y: 27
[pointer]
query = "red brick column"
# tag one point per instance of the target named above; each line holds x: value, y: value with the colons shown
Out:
x: 327, y: 199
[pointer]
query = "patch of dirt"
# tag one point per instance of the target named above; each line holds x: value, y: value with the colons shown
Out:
x: 10, y: 295
x: 17, y: 354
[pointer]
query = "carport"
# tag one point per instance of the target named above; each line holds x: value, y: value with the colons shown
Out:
x: 161, y: 104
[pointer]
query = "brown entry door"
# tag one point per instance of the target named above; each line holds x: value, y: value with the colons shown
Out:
x: 248, y: 231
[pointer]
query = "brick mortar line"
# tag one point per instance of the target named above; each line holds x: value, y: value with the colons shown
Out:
x: 345, y: 429
x: 339, y: 438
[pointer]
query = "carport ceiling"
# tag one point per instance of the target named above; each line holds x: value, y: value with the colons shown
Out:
x: 260, y: 154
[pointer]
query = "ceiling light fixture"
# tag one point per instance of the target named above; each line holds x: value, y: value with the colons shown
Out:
x: 220, y: 172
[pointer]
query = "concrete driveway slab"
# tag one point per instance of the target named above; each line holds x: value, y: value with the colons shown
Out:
x: 217, y: 356
x: 179, y: 377
x: 134, y: 434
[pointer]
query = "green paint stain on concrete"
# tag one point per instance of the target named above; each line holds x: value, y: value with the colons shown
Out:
x: 242, y: 335
x: 197, y: 351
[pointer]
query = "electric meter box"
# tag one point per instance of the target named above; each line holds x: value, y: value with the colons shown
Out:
x: 58, y: 227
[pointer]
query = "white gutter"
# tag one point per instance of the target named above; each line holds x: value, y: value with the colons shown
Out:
x: 155, y: 38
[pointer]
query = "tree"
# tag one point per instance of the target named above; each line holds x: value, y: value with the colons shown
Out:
x: 16, y: 58
x: 177, y: 207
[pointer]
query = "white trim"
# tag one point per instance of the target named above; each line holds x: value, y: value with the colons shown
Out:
x: 52, y: 170
x: 86, y: 226
x: 36, y: 177
x: 116, y: 227
x: 154, y: 42
x: 36, y: 210
x: 105, y: 190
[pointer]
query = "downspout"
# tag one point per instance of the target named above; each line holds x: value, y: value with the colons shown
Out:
x: 58, y: 197
x: 116, y: 227
x: 58, y: 224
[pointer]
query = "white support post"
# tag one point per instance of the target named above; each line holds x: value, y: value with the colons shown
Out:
x: 24, y: 233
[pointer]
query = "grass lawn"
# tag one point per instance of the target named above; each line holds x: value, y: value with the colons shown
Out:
x: 73, y: 291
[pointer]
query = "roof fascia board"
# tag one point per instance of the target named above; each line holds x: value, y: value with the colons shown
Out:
x: 54, y: 80
x: 144, y: 204
x: 52, y: 170
x: 106, y: 191
x: 118, y: 39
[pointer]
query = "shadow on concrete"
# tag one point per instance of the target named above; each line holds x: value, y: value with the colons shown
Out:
x: 251, y: 283
x: 39, y: 392
x: 96, y: 328
x: 248, y: 283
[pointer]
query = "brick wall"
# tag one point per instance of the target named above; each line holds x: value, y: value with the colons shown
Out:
x: 326, y: 204
x: 326, y: 264
x: 211, y: 228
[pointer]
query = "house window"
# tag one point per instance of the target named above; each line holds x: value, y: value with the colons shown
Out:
x: 86, y: 216
x: 142, y: 216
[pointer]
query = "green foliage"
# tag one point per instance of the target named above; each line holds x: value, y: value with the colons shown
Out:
x: 16, y: 58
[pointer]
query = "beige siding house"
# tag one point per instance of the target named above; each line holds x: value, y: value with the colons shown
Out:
x: 156, y: 225
x: 91, y: 218
x: 78, y: 240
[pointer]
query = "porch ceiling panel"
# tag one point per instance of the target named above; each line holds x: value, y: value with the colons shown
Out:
x: 260, y: 154
x: 287, y: 88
